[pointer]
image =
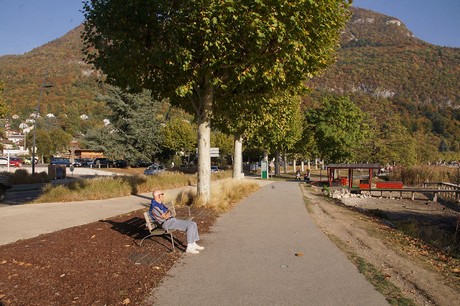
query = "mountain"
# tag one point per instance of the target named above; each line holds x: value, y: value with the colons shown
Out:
x: 74, y: 83
x: 389, y: 71
x: 380, y: 64
x: 380, y: 56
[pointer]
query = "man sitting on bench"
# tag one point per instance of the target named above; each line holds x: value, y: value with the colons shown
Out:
x: 164, y: 217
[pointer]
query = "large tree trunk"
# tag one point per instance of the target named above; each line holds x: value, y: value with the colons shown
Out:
x: 237, y: 157
x: 204, y: 144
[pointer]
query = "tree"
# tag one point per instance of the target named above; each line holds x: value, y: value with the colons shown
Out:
x: 395, y: 145
x: 60, y: 140
x: 179, y: 134
x: 134, y: 131
x: 192, y: 51
x: 225, y: 144
x: 338, y: 128
x: 44, y: 144
x: 3, y: 106
x: 276, y: 126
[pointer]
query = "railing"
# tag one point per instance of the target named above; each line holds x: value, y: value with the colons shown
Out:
x: 450, y: 191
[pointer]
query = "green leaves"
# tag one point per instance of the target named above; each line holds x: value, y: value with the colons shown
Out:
x: 337, y: 127
x: 134, y: 131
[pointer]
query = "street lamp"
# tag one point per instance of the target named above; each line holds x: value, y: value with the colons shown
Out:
x: 42, y: 87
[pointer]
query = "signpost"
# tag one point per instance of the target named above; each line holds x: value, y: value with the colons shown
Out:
x: 214, y: 152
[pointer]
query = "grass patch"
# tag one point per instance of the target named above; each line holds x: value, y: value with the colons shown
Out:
x: 392, y: 293
x: 308, y: 205
x: 118, y: 186
x: 375, y: 276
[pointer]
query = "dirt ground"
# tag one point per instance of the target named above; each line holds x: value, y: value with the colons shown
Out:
x: 370, y: 228
x: 102, y: 263
x: 95, y: 264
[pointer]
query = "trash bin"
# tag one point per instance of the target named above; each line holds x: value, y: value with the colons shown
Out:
x: 56, y: 172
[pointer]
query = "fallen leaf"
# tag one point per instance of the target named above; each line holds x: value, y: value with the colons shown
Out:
x: 126, y: 301
x: 4, y: 262
x: 299, y: 254
x: 92, y: 237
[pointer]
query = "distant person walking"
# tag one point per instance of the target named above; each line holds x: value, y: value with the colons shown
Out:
x: 161, y: 214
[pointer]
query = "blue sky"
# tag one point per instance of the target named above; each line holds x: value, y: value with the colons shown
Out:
x: 27, y: 24
x: 434, y: 21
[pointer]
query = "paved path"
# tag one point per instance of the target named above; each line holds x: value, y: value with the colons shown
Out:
x: 250, y: 260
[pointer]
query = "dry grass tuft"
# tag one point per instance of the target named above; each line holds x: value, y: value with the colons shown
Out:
x: 117, y: 186
x: 224, y: 194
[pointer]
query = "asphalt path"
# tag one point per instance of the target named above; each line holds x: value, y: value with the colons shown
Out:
x: 266, y: 251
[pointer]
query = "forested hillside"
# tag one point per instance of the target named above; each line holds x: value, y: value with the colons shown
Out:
x: 74, y: 83
x: 387, y: 71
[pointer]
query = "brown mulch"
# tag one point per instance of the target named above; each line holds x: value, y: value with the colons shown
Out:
x: 100, y: 263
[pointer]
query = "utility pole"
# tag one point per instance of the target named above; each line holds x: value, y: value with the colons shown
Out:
x: 37, y: 111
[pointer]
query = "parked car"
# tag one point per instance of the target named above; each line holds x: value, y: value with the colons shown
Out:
x: 28, y: 160
x: 154, y: 169
x: 15, y: 162
x: 82, y: 162
x: 60, y: 161
x: 102, y: 162
x: 121, y: 163
x: 214, y: 169
x: 3, y: 161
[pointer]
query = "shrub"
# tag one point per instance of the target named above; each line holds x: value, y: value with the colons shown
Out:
x: 417, y: 175
x: 21, y: 176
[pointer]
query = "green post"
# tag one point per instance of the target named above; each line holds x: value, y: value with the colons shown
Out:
x: 264, y: 169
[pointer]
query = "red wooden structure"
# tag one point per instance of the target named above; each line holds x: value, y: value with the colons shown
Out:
x: 348, y: 180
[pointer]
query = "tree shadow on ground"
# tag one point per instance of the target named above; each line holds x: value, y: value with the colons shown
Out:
x: 434, y: 228
x: 136, y: 229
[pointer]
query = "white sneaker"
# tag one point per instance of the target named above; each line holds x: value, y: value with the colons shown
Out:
x: 192, y: 250
x: 198, y: 247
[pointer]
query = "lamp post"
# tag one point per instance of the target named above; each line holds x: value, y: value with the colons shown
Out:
x: 42, y: 87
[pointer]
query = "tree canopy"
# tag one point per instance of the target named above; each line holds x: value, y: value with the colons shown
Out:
x: 3, y: 107
x: 196, y: 52
x: 338, y: 128
x: 134, y: 130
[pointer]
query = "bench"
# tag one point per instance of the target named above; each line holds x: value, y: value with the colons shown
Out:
x: 155, y: 229
x: 389, y: 185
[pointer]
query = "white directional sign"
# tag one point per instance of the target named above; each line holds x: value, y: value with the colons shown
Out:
x: 214, y: 152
